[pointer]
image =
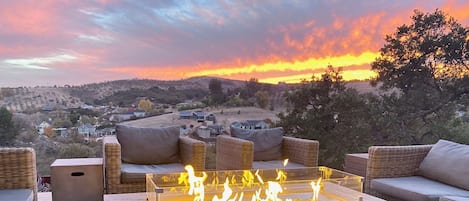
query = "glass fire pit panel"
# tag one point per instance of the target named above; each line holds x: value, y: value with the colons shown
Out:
x: 295, y: 183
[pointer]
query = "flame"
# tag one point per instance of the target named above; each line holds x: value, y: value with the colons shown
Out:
x: 259, y: 177
x: 227, y: 193
x: 326, y: 172
x: 273, y: 190
x: 269, y: 192
x: 183, y: 178
x: 196, y: 184
x: 316, y: 186
x: 248, y: 178
x: 281, y: 176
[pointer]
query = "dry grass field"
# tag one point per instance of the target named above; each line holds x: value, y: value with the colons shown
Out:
x: 224, y: 116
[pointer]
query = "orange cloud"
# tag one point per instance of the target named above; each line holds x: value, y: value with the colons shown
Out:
x: 347, y: 75
x: 273, y: 72
x: 458, y: 11
x: 311, y: 63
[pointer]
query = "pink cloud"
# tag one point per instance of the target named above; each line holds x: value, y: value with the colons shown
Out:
x: 22, y: 18
x: 166, y: 39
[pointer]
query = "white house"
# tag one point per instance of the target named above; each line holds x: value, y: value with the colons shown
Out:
x: 61, y: 131
x: 122, y: 117
x: 257, y: 124
x: 42, y: 126
x: 250, y: 124
x: 139, y: 113
x: 87, y: 130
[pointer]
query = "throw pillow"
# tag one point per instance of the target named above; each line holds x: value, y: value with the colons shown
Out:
x: 147, y: 146
x: 267, y: 142
x: 447, y: 162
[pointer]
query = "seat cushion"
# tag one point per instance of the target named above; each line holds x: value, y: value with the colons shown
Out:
x: 267, y: 142
x: 454, y: 198
x: 148, y: 146
x: 131, y: 173
x: 16, y: 194
x: 447, y: 162
x: 274, y: 164
x: 416, y: 188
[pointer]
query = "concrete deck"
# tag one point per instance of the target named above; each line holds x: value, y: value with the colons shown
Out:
x: 47, y: 196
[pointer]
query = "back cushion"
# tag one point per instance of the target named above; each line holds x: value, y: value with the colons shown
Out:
x: 148, y: 146
x: 447, y: 162
x: 267, y: 142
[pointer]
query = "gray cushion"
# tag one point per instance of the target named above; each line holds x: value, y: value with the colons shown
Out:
x: 148, y: 146
x: 415, y: 188
x: 16, y: 194
x: 131, y: 173
x: 447, y: 162
x: 267, y: 142
x: 454, y: 198
x: 274, y: 164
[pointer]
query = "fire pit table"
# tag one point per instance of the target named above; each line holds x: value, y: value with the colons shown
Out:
x: 317, y: 183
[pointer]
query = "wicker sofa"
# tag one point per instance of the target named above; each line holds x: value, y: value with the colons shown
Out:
x: 124, y: 177
x: 241, y: 154
x: 18, y: 179
x: 419, y: 172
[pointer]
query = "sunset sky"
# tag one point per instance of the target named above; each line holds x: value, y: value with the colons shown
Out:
x: 57, y: 42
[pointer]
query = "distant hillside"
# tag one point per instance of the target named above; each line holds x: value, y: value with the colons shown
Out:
x: 31, y: 99
x: 226, y: 83
x: 101, y: 90
x: 109, y: 90
x: 155, y: 94
x: 28, y: 99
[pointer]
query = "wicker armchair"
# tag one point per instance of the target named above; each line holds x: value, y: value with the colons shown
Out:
x: 393, y: 161
x: 191, y: 151
x: 238, y: 154
x: 18, y: 173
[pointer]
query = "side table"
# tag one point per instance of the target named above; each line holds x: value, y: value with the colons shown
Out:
x: 77, y: 179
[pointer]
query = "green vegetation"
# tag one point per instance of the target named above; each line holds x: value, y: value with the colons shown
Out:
x: 338, y: 117
x: 155, y: 94
x: 216, y: 92
x: 262, y: 99
x: 428, y: 61
x: 248, y: 95
x: 8, y: 132
x: 50, y: 148
x: 423, y: 69
x: 6, y: 92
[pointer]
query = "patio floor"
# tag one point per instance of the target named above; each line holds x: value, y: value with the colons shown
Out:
x: 47, y: 196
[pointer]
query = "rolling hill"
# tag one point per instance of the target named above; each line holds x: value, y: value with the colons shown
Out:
x: 31, y: 99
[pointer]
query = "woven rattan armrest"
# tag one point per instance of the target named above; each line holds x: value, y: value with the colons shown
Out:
x: 112, y: 160
x: 18, y: 169
x: 393, y: 161
x: 192, y: 151
x: 301, y: 151
x: 234, y: 153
